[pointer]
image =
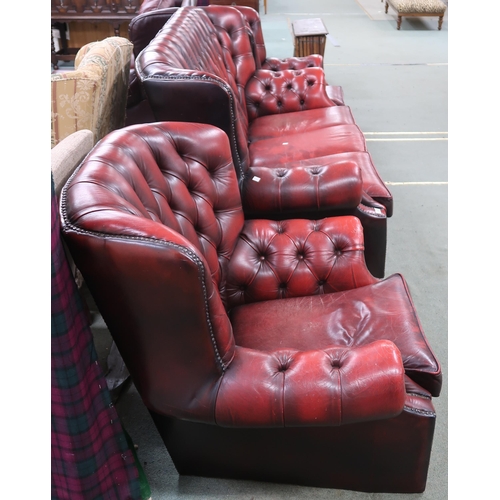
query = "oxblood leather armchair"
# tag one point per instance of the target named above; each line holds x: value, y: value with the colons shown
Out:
x: 263, y: 349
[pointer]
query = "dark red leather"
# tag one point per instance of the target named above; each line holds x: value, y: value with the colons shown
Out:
x: 335, y: 92
x: 388, y: 455
x: 201, y: 68
x: 242, y: 324
x: 327, y: 387
x: 273, y: 92
x: 150, y: 5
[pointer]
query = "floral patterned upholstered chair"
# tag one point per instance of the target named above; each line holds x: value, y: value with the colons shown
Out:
x: 93, y: 96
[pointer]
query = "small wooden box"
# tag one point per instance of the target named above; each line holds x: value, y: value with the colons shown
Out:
x: 309, y: 37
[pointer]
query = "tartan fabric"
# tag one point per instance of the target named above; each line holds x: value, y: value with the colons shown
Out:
x: 91, y: 458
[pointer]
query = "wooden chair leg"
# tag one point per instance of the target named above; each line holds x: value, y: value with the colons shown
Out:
x: 400, y: 18
x: 386, y: 7
x: 440, y: 22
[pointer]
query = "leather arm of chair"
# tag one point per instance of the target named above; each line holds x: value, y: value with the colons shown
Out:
x: 328, y: 387
x: 271, y: 92
x: 297, y: 257
x: 309, y: 186
x: 294, y: 63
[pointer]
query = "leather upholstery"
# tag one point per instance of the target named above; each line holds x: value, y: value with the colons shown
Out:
x: 243, y: 324
x: 335, y: 92
x: 151, y: 16
x: 201, y: 68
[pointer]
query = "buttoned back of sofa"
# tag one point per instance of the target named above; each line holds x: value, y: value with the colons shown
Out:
x: 93, y: 96
x: 273, y: 63
x: 196, y: 69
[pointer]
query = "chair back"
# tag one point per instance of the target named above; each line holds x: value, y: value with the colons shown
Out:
x: 152, y: 217
x: 93, y: 96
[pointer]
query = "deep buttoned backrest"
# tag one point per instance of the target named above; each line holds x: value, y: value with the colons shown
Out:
x: 202, y: 57
x: 152, y: 217
x: 181, y: 176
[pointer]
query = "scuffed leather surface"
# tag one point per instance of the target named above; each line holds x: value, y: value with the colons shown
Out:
x: 298, y: 122
x: 382, y: 310
x: 307, y: 145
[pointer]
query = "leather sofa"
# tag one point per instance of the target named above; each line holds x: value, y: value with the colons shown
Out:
x: 264, y: 350
x: 296, y: 153
x: 151, y: 17
x: 142, y: 29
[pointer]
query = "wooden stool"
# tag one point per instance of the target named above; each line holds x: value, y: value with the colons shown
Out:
x: 309, y: 37
x: 417, y: 8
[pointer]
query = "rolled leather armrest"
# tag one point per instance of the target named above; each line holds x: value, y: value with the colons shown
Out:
x: 297, y: 257
x: 310, y: 61
x: 307, y: 186
x: 328, y: 387
x: 270, y: 92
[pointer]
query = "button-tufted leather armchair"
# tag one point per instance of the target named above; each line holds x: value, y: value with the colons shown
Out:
x: 263, y: 349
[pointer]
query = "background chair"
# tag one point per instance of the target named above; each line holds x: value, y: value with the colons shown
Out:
x: 264, y: 350
x: 93, y: 96
x: 68, y: 154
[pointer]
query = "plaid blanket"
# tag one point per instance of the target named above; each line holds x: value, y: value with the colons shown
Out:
x: 91, y: 457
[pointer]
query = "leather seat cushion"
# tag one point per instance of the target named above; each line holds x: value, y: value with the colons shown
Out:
x: 383, y: 310
x: 297, y: 122
x: 301, y: 146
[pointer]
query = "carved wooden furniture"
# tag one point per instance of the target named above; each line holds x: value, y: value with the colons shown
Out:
x: 417, y: 8
x: 309, y: 37
x: 114, y: 12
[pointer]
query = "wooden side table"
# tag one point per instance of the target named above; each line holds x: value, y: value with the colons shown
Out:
x: 309, y: 37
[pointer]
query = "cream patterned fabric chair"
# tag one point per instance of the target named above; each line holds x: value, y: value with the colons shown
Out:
x: 93, y: 96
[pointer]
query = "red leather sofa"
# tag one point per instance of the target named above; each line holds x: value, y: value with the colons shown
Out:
x: 153, y: 14
x: 296, y: 153
x: 264, y: 350
x: 151, y: 17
